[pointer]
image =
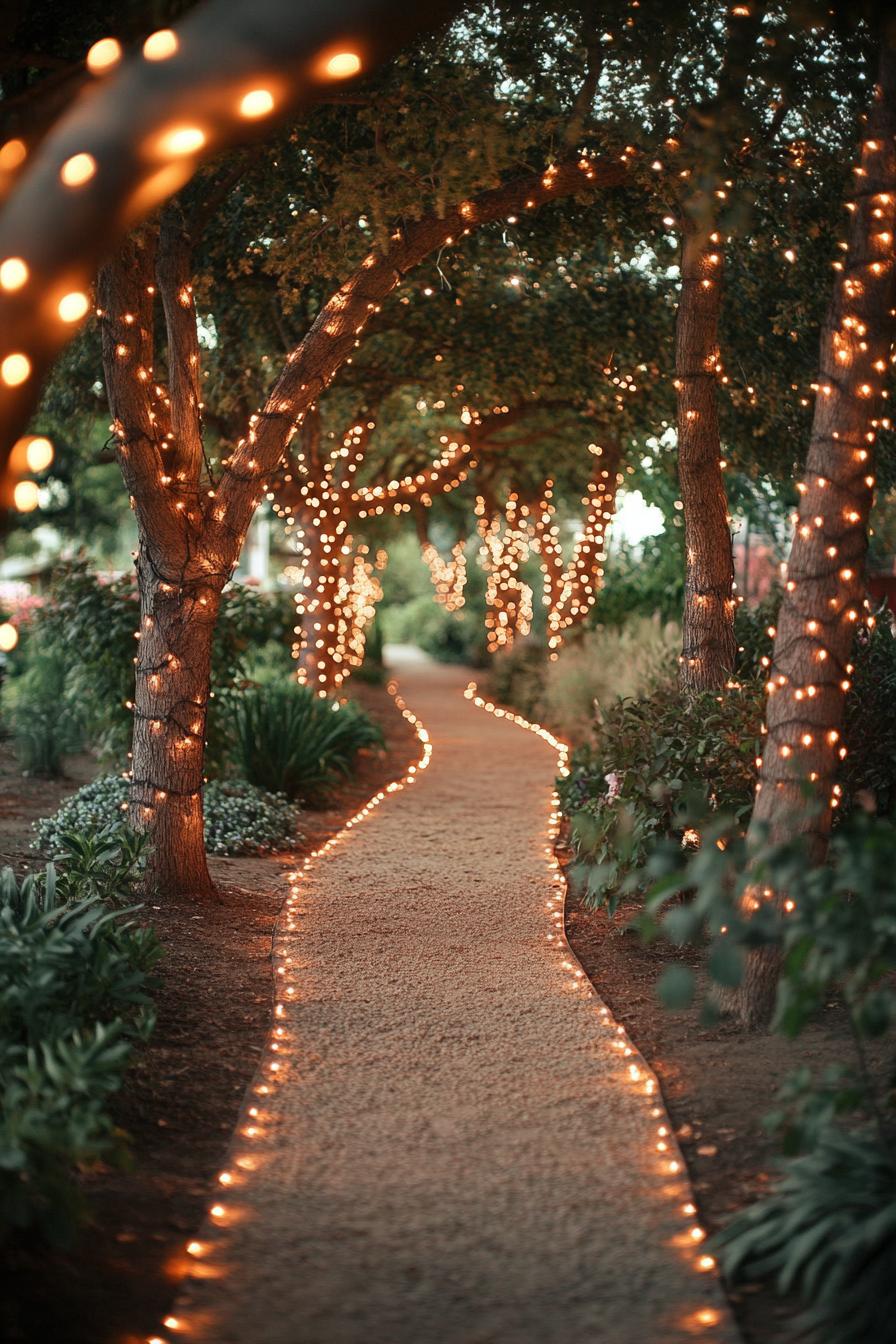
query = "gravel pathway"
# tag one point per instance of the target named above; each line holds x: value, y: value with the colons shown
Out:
x: 449, y: 1145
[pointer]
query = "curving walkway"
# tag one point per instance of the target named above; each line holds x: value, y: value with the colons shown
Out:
x: 453, y: 1149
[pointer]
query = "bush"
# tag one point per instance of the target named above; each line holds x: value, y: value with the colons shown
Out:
x: 242, y: 819
x: 239, y: 819
x: 626, y: 791
x: 593, y: 670
x: 293, y: 741
x: 43, y: 719
x: 74, y: 981
x: 87, y: 627
x: 448, y: 636
x: 827, y: 1229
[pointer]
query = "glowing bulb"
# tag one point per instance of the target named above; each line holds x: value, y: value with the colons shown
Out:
x: 343, y: 65
x: 39, y: 453
x: 15, y: 369
x: 77, y: 170
x: 26, y: 496
x: 160, y: 45
x: 72, y: 307
x: 9, y: 637
x: 257, y: 103
x: 13, y: 273
x: 103, y: 55
x: 182, y: 140
x: 12, y: 153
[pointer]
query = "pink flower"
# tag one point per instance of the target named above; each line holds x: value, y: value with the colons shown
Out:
x: 614, y: 784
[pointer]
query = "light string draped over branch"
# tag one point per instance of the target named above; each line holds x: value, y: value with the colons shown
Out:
x: 138, y: 134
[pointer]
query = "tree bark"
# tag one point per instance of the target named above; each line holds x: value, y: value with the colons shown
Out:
x: 177, y: 623
x: 823, y: 599
x: 708, y: 644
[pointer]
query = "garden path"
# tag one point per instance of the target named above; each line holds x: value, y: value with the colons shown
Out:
x: 453, y: 1149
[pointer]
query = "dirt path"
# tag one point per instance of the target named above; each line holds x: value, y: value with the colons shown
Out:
x: 409, y: 1165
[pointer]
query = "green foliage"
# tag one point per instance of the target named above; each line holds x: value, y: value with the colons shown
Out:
x: 827, y: 1230
x: 243, y: 819
x: 87, y: 629
x: 593, y: 670
x: 449, y: 637
x: 291, y: 740
x: 74, y: 982
x: 45, y: 727
x: 650, y: 754
x: 239, y: 819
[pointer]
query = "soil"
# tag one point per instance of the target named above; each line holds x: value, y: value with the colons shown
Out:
x: 718, y: 1084
x: 182, y: 1094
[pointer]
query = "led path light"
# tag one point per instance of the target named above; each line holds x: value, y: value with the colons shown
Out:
x: 448, y: 1137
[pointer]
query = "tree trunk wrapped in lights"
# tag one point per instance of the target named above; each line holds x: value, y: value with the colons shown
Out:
x: 319, y: 497
x: 825, y: 589
x: 571, y: 591
x: 506, y: 541
x: 191, y: 528
x: 180, y: 571
x: 708, y: 643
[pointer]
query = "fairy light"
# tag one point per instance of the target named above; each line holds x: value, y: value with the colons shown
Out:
x: 181, y: 141
x: 160, y: 45
x: 103, y: 55
x: 635, y: 1073
x: 26, y: 496
x: 15, y: 369
x: 77, y: 170
x: 72, y: 307
x: 256, y: 103
x: 274, y: 1074
x: 9, y: 636
x: 13, y: 274
x: 343, y: 65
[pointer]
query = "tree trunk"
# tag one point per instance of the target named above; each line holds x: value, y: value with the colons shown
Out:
x: 177, y: 622
x: 708, y: 643
x: 825, y: 588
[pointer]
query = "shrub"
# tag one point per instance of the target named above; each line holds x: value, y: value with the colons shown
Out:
x: 74, y: 982
x: 291, y: 740
x: 88, y: 624
x: 827, y: 1229
x: 43, y: 720
x: 242, y: 819
x: 239, y: 819
x: 626, y: 790
x: 596, y: 668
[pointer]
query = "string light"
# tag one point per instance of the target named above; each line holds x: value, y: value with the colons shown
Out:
x: 273, y: 1073
x: 343, y: 65
x: 160, y: 45
x: 257, y: 103
x: 77, y: 170
x: 634, y: 1071
x: 13, y: 274
x: 72, y: 307
x: 103, y: 55
x: 15, y: 369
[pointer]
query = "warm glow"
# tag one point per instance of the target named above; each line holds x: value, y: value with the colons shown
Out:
x: 38, y: 453
x: 72, y: 307
x: 77, y: 170
x: 9, y: 637
x: 103, y: 55
x: 26, y: 496
x: 182, y: 140
x: 15, y: 369
x: 13, y: 273
x: 160, y: 45
x: 12, y: 153
x: 258, y: 103
x: 343, y: 65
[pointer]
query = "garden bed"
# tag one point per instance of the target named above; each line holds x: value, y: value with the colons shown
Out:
x: 718, y: 1083
x: 182, y: 1095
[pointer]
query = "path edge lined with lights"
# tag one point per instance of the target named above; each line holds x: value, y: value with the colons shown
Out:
x: 240, y: 1163
x: 705, y: 1318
